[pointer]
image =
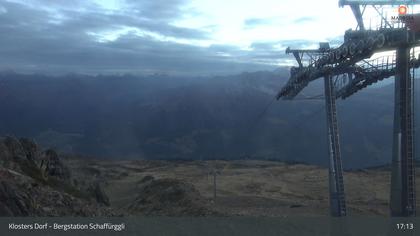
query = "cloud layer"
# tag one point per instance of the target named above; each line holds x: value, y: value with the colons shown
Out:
x: 127, y: 37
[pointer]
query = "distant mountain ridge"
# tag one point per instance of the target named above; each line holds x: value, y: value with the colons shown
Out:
x: 165, y: 117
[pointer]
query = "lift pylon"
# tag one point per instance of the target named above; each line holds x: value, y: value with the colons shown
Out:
x: 345, y: 61
x: 335, y: 176
x: 403, y: 202
x: 335, y: 173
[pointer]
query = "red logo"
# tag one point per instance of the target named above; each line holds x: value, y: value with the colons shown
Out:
x: 402, y: 10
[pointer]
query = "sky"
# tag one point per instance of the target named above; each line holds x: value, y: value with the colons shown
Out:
x: 186, y: 37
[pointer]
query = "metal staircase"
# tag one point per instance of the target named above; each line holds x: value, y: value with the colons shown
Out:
x: 369, y: 72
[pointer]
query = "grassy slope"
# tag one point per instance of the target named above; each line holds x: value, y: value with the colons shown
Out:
x: 253, y: 187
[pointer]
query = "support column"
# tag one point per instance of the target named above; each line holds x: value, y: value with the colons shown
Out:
x: 403, y: 202
x: 336, y: 185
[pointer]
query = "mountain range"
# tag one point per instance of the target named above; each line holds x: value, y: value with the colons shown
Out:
x: 168, y: 117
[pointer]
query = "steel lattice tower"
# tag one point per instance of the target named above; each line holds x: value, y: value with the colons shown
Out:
x: 346, y: 70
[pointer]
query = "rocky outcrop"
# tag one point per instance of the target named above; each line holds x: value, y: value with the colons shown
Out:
x: 14, y: 202
x: 36, y: 183
x: 55, y: 167
x: 99, y: 194
x: 6, y: 157
x: 25, y: 156
x: 24, y: 196
x: 15, y: 148
x: 14, y: 152
x: 31, y: 150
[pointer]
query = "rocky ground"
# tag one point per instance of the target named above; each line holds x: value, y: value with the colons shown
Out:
x: 36, y: 182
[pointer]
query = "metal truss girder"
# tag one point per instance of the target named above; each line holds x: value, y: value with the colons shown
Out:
x: 358, y: 15
x: 336, y: 182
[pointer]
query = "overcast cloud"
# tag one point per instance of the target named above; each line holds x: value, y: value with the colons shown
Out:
x: 151, y: 36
